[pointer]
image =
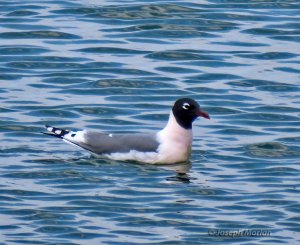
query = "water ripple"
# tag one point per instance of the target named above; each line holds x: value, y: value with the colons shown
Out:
x: 38, y: 35
x: 118, y: 66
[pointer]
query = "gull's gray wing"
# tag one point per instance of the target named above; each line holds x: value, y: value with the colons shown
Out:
x: 101, y: 143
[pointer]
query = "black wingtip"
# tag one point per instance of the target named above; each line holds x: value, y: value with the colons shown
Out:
x: 54, y: 135
x: 58, y: 132
x: 47, y: 127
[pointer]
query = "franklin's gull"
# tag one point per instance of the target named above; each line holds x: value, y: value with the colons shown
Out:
x: 172, y: 144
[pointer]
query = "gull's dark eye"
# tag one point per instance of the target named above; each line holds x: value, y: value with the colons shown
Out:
x: 186, y: 106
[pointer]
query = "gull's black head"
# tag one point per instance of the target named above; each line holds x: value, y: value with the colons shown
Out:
x: 186, y: 111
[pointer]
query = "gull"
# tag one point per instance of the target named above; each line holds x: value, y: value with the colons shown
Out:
x: 172, y: 144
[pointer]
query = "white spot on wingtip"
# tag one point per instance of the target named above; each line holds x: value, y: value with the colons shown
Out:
x: 58, y: 131
x: 49, y: 129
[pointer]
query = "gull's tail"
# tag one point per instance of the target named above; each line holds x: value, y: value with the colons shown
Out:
x: 56, y: 132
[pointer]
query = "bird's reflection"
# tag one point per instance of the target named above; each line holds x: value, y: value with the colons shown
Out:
x: 183, y: 178
x: 181, y: 170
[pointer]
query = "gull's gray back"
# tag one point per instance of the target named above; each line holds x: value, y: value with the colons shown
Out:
x: 101, y: 143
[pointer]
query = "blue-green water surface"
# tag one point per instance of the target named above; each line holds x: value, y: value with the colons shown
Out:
x: 118, y: 66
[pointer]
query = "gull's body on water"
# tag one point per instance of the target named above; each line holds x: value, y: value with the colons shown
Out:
x: 172, y: 144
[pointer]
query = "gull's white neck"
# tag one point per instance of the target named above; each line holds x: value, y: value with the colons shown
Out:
x: 175, y: 141
x: 175, y: 132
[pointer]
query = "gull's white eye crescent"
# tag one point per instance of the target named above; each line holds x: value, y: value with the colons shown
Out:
x: 186, y: 106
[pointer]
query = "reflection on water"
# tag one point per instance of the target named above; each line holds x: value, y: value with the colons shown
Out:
x: 181, y: 172
x: 181, y: 168
x: 180, y: 177
x: 119, y: 66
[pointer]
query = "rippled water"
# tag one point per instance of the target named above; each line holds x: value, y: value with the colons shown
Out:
x: 119, y: 66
